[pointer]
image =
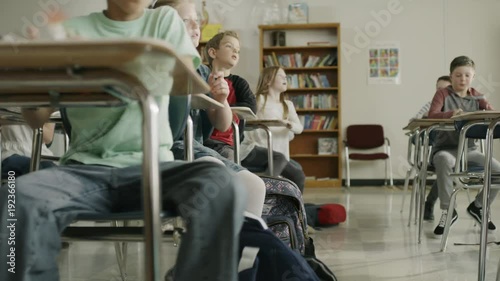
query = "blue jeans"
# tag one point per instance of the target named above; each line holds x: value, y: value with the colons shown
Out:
x: 205, y: 194
x: 21, y: 165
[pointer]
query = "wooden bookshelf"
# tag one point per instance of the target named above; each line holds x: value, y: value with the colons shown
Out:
x: 317, y: 104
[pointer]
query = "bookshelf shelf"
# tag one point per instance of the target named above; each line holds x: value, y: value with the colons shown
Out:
x: 299, y: 48
x: 310, y: 68
x: 317, y: 85
x: 312, y: 89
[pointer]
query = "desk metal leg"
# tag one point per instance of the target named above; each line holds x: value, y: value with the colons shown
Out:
x: 188, y: 140
x: 486, y: 201
x: 151, y: 187
x: 236, y: 140
x: 423, y: 179
x: 36, y: 151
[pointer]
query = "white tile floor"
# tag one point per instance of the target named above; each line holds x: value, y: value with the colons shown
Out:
x: 374, y: 244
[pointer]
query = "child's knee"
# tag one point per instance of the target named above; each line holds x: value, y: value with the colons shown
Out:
x: 210, y: 159
x: 442, y: 160
x: 255, y: 185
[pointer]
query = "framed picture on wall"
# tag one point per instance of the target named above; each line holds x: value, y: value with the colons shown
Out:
x: 327, y: 146
x: 298, y: 13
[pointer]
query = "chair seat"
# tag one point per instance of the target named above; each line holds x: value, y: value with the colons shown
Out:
x: 121, y: 216
x: 371, y: 156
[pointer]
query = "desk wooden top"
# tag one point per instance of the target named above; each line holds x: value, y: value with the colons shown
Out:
x: 427, y: 122
x: 477, y: 115
x: 102, y: 54
x: 202, y: 101
x: 244, y: 112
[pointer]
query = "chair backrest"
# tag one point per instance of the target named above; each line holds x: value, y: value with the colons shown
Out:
x: 178, y: 111
x: 364, y: 136
x: 477, y: 131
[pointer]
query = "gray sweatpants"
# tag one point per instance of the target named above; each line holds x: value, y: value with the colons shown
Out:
x: 444, y: 161
x: 205, y: 194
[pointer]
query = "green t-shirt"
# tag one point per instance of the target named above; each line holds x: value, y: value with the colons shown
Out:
x: 112, y: 136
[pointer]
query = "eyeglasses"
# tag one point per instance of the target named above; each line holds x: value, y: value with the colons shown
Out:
x: 194, y: 22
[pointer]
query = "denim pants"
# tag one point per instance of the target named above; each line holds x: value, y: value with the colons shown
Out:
x: 205, y: 194
x: 21, y: 165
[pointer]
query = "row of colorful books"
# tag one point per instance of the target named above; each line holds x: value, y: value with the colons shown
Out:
x: 318, y: 101
x: 318, y: 122
x: 307, y: 81
x: 296, y: 60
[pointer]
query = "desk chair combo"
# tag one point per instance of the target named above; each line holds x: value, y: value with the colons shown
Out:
x: 88, y: 73
x: 475, y: 125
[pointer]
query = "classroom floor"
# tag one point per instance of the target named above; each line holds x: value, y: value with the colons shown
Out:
x: 374, y: 244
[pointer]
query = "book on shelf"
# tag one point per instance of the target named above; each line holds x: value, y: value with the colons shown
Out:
x: 297, y: 60
x: 299, y: 81
x: 311, y: 178
x: 318, y: 101
x: 327, y: 146
x: 318, y: 122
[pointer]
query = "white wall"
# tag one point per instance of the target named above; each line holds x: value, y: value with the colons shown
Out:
x: 431, y: 33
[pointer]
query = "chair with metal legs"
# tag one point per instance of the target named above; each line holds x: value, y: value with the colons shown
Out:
x: 365, y: 137
x: 465, y: 177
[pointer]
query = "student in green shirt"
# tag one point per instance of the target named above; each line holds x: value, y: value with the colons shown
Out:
x: 101, y: 172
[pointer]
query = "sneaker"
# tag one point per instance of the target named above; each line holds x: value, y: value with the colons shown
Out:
x: 477, y: 214
x: 429, y: 211
x: 440, y: 227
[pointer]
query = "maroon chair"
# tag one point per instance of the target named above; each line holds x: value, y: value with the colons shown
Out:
x: 365, y: 137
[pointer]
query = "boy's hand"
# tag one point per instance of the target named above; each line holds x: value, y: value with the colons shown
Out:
x: 218, y: 86
x: 457, y: 112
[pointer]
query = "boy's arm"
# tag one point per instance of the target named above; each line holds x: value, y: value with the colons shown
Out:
x: 424, y: 111
x: 296, y: 127
x: 219, y: 118
x: 37, y: 117
x: 437, y: 105
x: 48, y: 132
x: 244, y: 96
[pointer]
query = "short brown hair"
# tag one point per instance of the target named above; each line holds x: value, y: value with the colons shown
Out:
x: 444, y: 78
x: 461, y: 61
x: 215, y: 42
x: 171, y: 3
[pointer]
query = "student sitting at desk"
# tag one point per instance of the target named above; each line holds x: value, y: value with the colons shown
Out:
x: 441, y: 83
x: 220, y: 118
x: 271, y: 104
x: 223, y: 53
x: 101, y: 171
x: 453, y: 100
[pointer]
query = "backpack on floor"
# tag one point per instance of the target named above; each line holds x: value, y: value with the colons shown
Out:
x: 284, y: 212
x: 325, y: 214
x: 264, y: 257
